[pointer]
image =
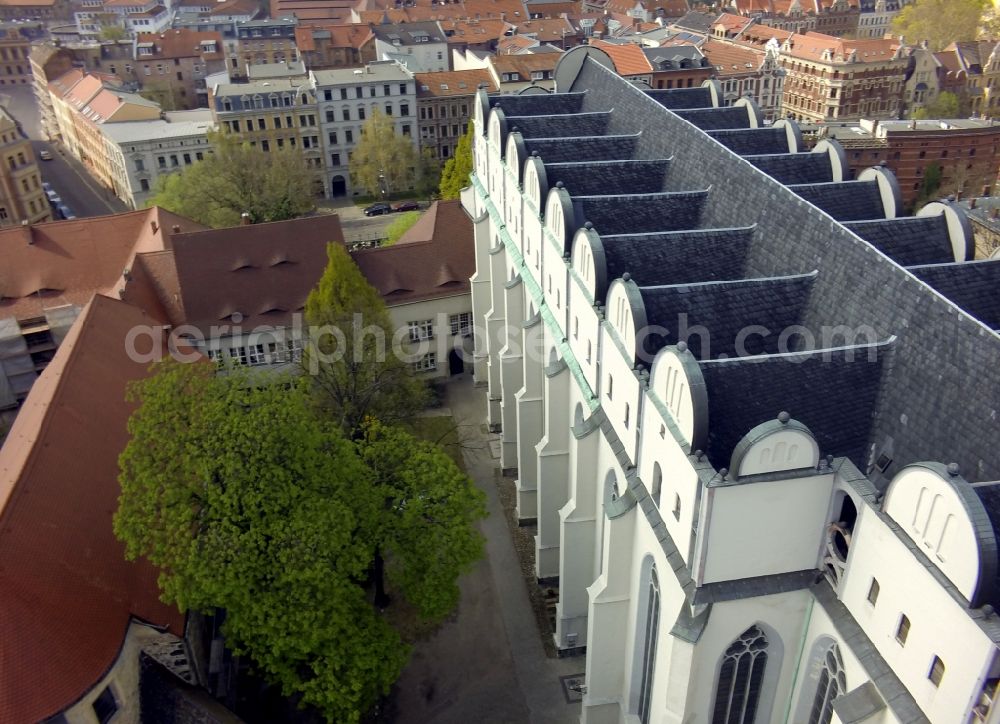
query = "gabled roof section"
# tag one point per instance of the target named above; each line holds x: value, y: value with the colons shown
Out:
x: 628, y: 58
x: 66, y: 592
x: 974, y: 286
x: 222, y: 272
x: 67, y: 262
x: 453, y: 83
x: 434, y: 258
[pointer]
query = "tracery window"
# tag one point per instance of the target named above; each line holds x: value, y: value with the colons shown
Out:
x: 832, y: 683
x: 740, y: 678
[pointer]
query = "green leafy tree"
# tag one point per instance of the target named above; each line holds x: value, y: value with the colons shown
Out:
x: 383, y: 162
x: 238, y: 178
x: 941, y: 22
x: 355, y: 371
x: 946, y: 105
x: 456, y: 172
x: 112, y: 31
x: 400, y: 225
x: 427, y: 531
x: 930, y: 185
x: 247, y: 501
x: 428, y: 173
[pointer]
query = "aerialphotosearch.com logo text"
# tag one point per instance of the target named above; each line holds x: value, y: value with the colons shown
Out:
x: 234, y: 343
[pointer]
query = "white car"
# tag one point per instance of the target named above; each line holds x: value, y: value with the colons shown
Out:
x: 45, y: 155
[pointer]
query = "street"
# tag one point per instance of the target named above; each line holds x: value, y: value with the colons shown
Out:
x: 78, y: 190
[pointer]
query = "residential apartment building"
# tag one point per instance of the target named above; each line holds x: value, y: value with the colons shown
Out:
x: 830, y: 17
x: 137, y: 16
x: 737, y: 530
x: 420, y: 47
x: 273, y: 114
x: 263, y: 41
x: 22, y: 198
x: 972, y: 72
x: 335, y: 46
x: 444, y: 104
x: 965, y: 152
x: 512, y: 73
x: 831, y: 78
x: 140, y: 152
x: 876, y: 17
x: 36, y: 10
x: 745, y: 71
x: 172, y: 66
x: 923, y: 81
x: 345, y: 100
x: 15, y: 51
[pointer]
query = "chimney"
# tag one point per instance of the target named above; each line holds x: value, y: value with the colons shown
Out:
x: 176, y: 229
x: 245, y: 219
x: 994, y: 212
x: 972, y: 202
x: 153, y: 226
x: 986, y: 190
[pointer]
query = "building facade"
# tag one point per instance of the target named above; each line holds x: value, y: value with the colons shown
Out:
x: 830, y: 78
x: 263, y: 41
x: 444, y: 104
x: 22, y: 198
x: 729, y: 541
x: 744, y: 71
x: 272, y: 114
x: 139, y: 153
x: 172, y: 66
x: 420, y: 47
x: 345, y: 100
x: 961, y: 154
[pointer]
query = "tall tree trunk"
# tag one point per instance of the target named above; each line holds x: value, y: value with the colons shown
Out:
x: 381, y: 597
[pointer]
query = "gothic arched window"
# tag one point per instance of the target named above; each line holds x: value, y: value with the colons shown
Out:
x: 832, y: 683
x: 740, y: 679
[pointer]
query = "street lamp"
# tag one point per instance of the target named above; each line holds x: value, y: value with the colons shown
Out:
x: 382, y: 185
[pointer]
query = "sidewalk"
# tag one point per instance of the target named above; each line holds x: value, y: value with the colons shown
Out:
x: 487, y: 664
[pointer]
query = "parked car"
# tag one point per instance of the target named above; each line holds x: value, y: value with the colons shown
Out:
x: 45, y: 155
x: 46, y: 187
x: 64, y: 212
x: 407, y: 206
x: 378, y: 209
x: 53, y: 197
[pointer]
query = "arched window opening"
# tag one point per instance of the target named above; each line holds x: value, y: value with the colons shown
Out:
x: 740, y: 679
x: 649, y: 647
x: 832, y: 683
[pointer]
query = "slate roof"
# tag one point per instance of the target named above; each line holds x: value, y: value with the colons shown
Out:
x: 974, y: 286
x: 833, y: 393
x: 724, y: 308
x: 696, y: 21
x: 539, y: 104
x: 668, y: 211
x: 594, y: 148
x: 575, y: 124
x: 583, y: 178
x: 795, y: 168
x: 714, y: 119
x: 680, y: 98
x: 909, y: 240
x: 651, y: 259
x: 845, y: 200
x: 753, y: 140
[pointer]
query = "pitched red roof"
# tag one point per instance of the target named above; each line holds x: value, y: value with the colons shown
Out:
x: 67, y: 262
x: 732, y: 58
x: 628, y: 58
x: 434, y: 258
x: 263, y: 272
x: 182, y: 43
x: 66, y: 592
x: 453, y: 83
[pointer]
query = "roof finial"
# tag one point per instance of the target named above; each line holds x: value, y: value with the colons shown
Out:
x: 784, y: 417
x: 953, y: 469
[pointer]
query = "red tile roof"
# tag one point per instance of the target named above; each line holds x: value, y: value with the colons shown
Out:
x: 67, y: 262
x: 434, y: 258
x: 263, y: 272
x: 811, y: 46
x: 731, y: 58
x: 523, y: 64
x: 182, y: 43
x: 453, y: 83
x: 628, y: 58
x: 66, y: 592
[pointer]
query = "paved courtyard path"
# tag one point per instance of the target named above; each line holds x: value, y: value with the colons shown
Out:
x: 487, y: 664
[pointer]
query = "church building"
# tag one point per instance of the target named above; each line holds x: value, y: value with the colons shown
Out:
x: 750, y: 406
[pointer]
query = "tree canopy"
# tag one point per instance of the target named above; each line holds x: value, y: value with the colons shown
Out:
x: 945, y: 105
x: 456, y: 172
x: 238, y: 178
x: 350, y: 358
x: 941, y: 22
x: 384, y: 160
x: 426, y: 532
x: 248, y: 501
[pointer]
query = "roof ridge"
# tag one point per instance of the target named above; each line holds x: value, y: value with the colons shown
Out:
x: 888, y: 343
x: 748, y: 281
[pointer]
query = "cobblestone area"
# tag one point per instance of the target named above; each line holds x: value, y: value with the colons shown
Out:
x: 524, y: 543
